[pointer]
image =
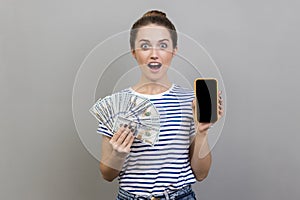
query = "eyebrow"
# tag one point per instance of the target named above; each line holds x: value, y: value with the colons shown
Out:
x: 145, y: 40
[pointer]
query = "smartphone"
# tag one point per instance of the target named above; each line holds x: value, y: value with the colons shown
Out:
x: 206, y: 94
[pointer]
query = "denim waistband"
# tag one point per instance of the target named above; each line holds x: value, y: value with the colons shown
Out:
x: 167, y: 195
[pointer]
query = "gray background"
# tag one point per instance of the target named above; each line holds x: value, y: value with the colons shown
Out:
x: 254, y: 43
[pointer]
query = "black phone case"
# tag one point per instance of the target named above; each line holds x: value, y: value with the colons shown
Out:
x: 206, y: 93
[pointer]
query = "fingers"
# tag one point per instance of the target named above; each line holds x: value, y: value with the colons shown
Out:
x: 127, y: 147
x: 220, y: 113
x: 193, y: 106
x: 123, y: 136
x: 220, y: 100
x: 203, y: 127
x: 116, y: 136
x: 127, y: 140
x: 220, y: 105
x: 122, y: 139
x: 193, y: 103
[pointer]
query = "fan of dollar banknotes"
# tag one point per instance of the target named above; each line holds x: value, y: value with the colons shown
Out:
x: 125, y: 108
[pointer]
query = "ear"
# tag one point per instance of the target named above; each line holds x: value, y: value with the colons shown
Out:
x: 174, y: 51
x: 133, y: 53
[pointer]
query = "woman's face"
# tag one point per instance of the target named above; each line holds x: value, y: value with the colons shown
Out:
x: 154, y: 52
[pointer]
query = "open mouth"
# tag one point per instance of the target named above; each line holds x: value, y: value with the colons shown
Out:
x: 154, y: 65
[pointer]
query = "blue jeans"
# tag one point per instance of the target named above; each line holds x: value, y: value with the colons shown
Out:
x: 185, y: 193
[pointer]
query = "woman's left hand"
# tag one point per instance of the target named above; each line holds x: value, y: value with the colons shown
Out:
x: 203, y: 127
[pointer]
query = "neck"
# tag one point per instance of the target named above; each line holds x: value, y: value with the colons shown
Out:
x: 152, y: 87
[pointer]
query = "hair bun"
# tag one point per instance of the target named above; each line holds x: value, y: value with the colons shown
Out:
x: 155, y: 13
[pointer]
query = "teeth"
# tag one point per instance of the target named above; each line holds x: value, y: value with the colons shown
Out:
x: 154, y: 65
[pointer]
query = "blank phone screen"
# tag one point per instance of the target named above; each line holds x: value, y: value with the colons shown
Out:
x: 206, y: 95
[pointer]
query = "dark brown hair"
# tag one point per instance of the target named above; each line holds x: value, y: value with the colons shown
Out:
x: 153, y: 17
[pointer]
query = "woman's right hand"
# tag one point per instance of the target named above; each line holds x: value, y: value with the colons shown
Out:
x: 122, y: 141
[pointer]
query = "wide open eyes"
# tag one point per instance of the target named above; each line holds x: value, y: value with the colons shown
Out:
x: 163, y: 45
x: 146, y: 46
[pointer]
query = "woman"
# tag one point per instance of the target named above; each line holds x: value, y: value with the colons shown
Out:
x: 182, y: 155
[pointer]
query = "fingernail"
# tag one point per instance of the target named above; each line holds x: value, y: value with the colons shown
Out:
x: 132, y: 130
x: 125, y: 125
x: 129, y: 127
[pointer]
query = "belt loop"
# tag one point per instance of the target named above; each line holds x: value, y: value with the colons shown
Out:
x: 167, y: 195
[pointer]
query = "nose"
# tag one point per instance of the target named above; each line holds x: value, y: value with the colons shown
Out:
x: 154, y: 54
